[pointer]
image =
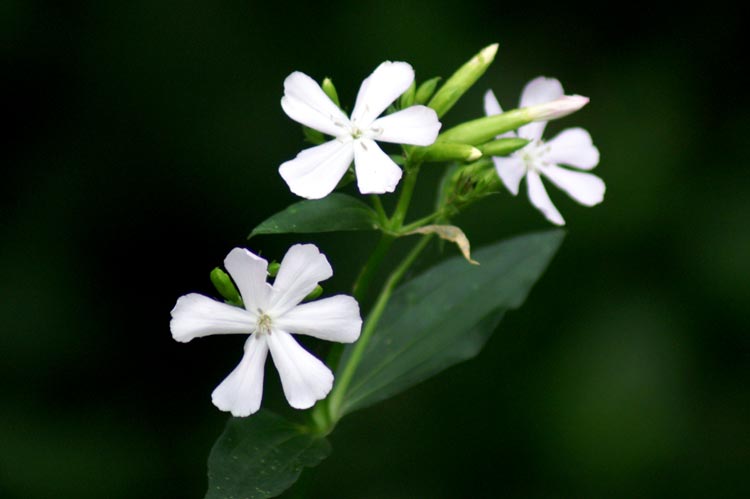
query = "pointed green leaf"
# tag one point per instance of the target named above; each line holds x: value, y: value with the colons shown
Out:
x: 333, y: 213
x: 261, y: 456
x: 446, y: 315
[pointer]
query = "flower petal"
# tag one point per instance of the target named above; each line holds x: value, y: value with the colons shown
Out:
x: 376, y: 172
x: 305, y: 102
x: 304, y: 378
x: 510, y: 170
x: 334, y: 319
x: 249, y: 273
x: 491, y: 104
x: 539, y: 198
x: 196, y: 315
x: 538, y: 91
x: 302, y: 268
x: 379, y: 90
x: 416, y: 125
x: 586, y: 188
x: 241, y: 392
x: 314, y: 173
x: 573, y: 147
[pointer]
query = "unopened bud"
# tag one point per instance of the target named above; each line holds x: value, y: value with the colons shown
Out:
x: 273, y: 268
x: 314, y: 293
x: 503, y: 147
x: 426, y: 90
x: 462, y: 80
x: 447, y: 151
x: 330, y: 91
x: 225, y: 286
x: 407, y: 98
x: 558, y: 108
x: 313, y: 136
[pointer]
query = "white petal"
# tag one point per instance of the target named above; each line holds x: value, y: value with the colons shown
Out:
x: 196, y: 315
x: 416, y: 125
x: 586, y: 188
x: 241, y: 392
x: 376, y: 172
x: 314, y: 173
x: 538, y: 91
x: 302, y: 268
x: 491, y: 105
x: 379, y: 90
x: 334, y: 319
x: 305, y: 102
x: 573, y: 147
x: 304, y: 378
x: 540, y: 199
x: 249, y: 273
x: 510, y: 170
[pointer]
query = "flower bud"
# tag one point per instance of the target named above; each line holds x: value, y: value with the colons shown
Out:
x: 314, y: 293
x: 502, y: 147
x: 558, y: 108
x: 407, y: 98
x: 330, y: 91
x: 426, y: 90
x: 447, y: 151
x: 462, y: 80
x: 273, y: 268
x: 225, y: 286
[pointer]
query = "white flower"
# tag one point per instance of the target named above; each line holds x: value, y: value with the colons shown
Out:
x: 571, y: 147
x: 314, y: 173
x: 271, y: 313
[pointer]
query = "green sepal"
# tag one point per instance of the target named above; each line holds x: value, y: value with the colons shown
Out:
x: 226, y: 288
x: 426, y: 90
x: 314, y: 293
x: 313, y: 136
x: 503, y: 147
x: 462, y: 80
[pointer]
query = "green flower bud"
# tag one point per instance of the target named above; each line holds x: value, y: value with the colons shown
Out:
x: 426, y: 90
x: 502, y: 147
x: 330, y: 91
x: 446, y: 151
x: 313, y: 136
x: 314, y: 293
x: 407, y: 98
x: 462, y: 80
x: 225, y: 286
x: 484, y: 129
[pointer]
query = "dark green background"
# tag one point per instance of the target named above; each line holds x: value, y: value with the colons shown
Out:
x: 142, y: 141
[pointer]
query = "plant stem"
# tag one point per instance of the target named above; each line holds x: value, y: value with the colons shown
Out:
x: 339, y: 390
x: 410, y: 181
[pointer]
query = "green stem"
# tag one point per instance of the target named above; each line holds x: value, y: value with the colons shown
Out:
x: 339, y: 390
x: 378, y: 205
x: 422, y: 221
x: 404, y: 200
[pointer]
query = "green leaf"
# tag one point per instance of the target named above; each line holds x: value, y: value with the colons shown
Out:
x: 446, y: 315
x: 261, y: 456
x: 333, y: 213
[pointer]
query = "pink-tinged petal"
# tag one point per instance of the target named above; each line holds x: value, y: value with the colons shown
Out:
x: 538, y: 91
x: 333, y: 319
x: 379, y: 90
x: 586, y: 188
x: 510, y: 170
x: 316, y: 171
x: 241, y: 392
x: 304, y: 378
x: 376, y: 172
x: 415, y: 125
x: 539, y: 198
x: 196, y: 315
x: 305, y: 102
x: 249, y: 274
x: 573, y: 147
x: 302, y: 268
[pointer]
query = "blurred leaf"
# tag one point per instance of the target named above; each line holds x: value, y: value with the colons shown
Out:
x: 261, y: 456
x: 333, y: 213
x: 446, y: 315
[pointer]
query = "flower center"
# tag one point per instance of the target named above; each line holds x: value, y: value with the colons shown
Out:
x: 533, y: 155
x: 264, y: 324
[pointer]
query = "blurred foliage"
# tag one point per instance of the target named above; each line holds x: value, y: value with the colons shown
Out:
x: 143, y: 144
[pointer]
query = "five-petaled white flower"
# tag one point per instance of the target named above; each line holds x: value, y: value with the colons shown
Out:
x: 572, y: 147
x: 270, y: 314
x: 314, y: 173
